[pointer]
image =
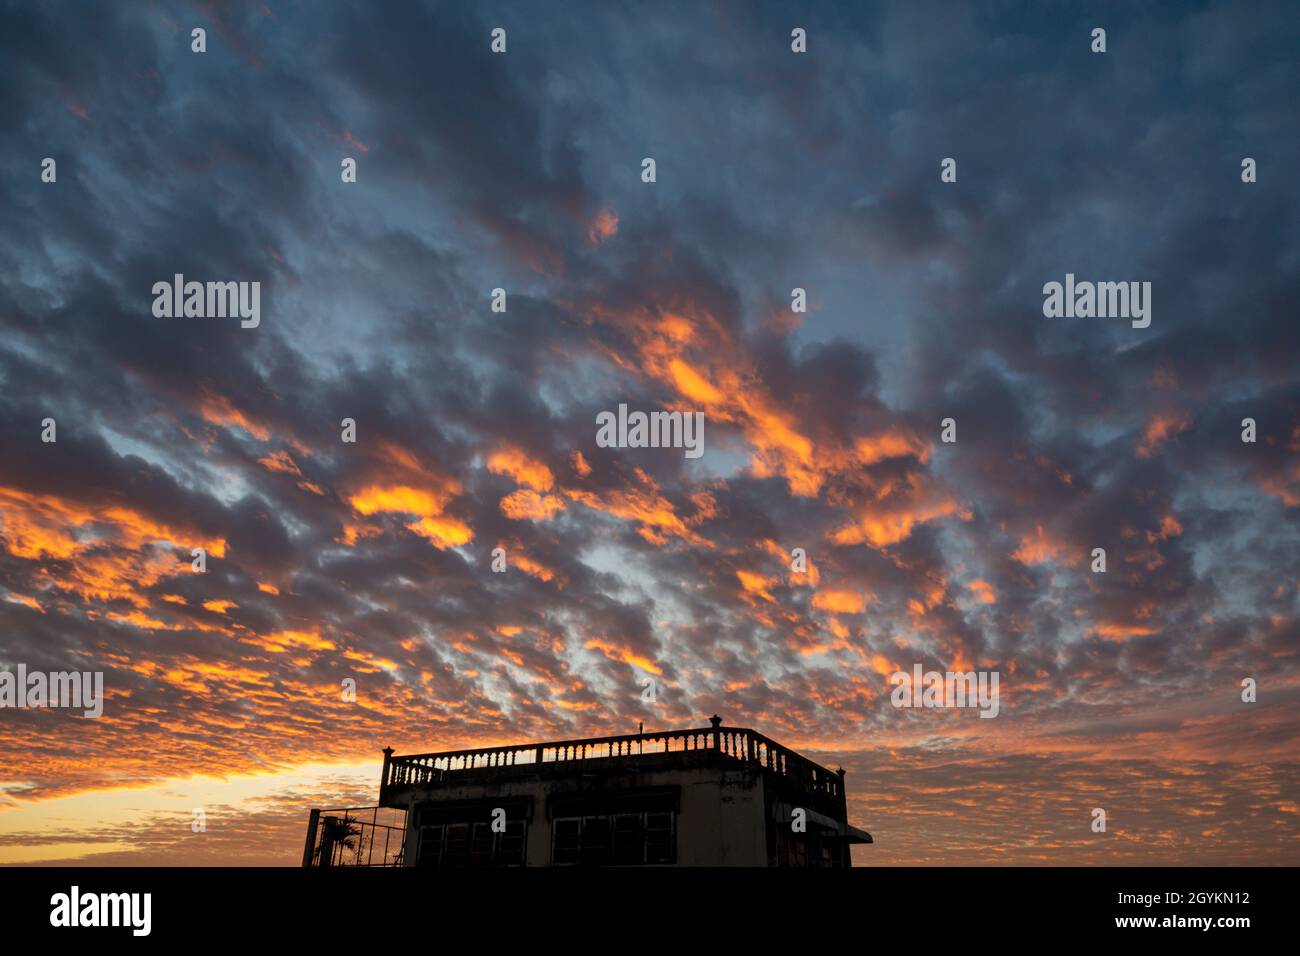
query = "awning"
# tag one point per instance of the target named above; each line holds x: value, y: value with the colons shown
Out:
x: 835, y: 829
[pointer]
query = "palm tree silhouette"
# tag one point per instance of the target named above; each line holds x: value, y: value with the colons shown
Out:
x: 339, y: 833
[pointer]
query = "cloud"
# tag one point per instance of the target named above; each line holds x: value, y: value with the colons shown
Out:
x: 372, y: 561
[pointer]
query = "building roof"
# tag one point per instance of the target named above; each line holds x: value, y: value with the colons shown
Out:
x: 732, y: 744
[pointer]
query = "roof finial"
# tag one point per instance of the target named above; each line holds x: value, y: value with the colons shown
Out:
x: 716, y: 721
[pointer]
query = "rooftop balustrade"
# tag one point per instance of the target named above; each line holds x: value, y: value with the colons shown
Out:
x: 736, y: 743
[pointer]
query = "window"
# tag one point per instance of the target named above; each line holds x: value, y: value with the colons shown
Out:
x: 471, y: 844
x: 629, y: 839
x: 617, y: 839
x: 455, y: 851
x: 510, y: 845
x: 660, y: 838
x: 804, y: 849
x: 482, y: 844
x: 566, y: 840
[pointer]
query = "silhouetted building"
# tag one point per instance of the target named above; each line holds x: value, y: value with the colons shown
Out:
x: 716, y: 796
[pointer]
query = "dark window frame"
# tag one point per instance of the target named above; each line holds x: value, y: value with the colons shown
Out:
x: 617, y: 838
x: 472, y: 843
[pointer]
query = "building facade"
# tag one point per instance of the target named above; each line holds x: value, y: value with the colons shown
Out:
x: 715, y: 796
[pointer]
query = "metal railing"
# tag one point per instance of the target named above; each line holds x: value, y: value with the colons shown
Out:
x: 738, y: 743
x: 355, y: 836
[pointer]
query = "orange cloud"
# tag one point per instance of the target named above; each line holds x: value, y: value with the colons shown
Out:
x: 1120, y: 632
x: 688, y: 350
x: 625, y: 654
x: 655, y: 514
x: 883, y: 525
x: 219, y: 410
x: 603, y: 226
x: 1159, y: 430
x: 810, y: 576
x: 524, y: 470
x: 280, y: 461
x: 527, y: 505
x: 890, y: 444
x: 280, y: 641
x: 839, y: 602
x: 756, y: 584
x: 1037, y: 548
x: 443, y: 531
x: 534, y: 568
x: 24, y: 600
x: 141, y: 620
x: 1169, y: 528
x: 111, y: 553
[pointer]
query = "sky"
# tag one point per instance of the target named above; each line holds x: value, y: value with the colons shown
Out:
x: 371, y: 561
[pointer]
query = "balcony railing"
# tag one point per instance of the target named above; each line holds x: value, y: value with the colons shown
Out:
x: 355, y: 836
x: 738, y: 743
